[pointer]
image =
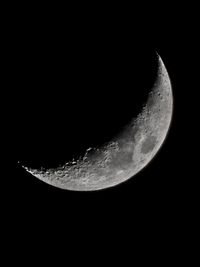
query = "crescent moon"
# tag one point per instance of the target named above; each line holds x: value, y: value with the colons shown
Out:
x: 127, y: 153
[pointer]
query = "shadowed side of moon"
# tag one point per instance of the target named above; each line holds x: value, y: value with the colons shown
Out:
x: 84, y: 104
x: 127, y: 153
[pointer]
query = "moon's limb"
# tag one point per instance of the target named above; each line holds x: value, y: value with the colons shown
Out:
x: 126, y: 154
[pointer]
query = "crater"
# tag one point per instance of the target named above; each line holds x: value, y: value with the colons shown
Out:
x: 148, y: 145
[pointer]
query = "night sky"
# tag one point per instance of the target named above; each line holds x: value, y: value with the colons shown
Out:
x: 67, y: 90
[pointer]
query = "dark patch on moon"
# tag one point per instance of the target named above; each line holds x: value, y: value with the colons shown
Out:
x: 148, y: 145
x: 151, y: 100
x: 122, y: 160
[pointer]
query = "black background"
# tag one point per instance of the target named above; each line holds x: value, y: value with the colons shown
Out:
x: 50, y: 64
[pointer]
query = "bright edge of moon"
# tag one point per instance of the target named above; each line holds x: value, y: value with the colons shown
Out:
x: 127, y: 153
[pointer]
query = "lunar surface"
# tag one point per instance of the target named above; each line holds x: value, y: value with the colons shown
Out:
x: 127, y: 153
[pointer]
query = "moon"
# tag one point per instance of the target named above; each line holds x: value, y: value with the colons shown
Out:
x: 127, y: 153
